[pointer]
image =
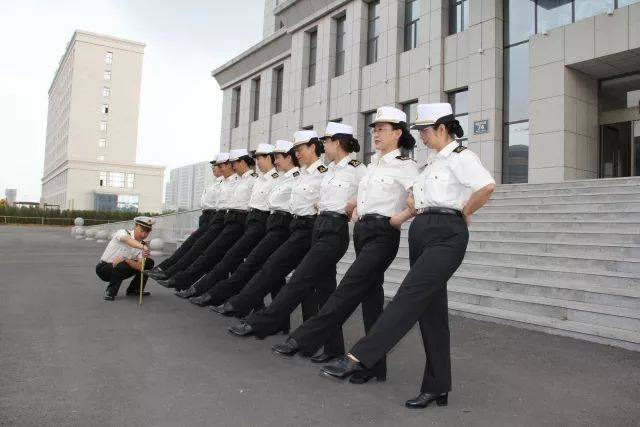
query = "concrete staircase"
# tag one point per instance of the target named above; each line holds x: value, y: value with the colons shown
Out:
x: 561, y: 258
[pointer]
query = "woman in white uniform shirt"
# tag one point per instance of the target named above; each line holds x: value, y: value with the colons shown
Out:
x: 382, y: 195
x: 451, y: 188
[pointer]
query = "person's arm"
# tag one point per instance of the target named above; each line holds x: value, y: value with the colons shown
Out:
x: 351, y: 206
x: 136, y: 264
x: 354, y: 214
x: 130, y: 241
x: 398, y: 219
x: 477, y: 200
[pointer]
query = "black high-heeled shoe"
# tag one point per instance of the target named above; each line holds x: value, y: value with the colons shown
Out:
x: 362, y: 377
x: 423, y: 399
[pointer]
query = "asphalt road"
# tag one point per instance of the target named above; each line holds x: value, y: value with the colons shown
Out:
x: 69, y: 358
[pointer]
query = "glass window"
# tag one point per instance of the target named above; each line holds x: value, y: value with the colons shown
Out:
x: 623, y: 3
x: 107, y: 76
x: 587, y: 8
x: 516, y: 153
x: 116, y: 179
x: 373, y: 31
x: 278, y: 86
x: 369, y: 149
x: 106, y: 92
x: 313, y: 49
x: 235, y: 107
x: 255, y: 86
x: 520, y: 23
x: 460, y: 103
x: 458, y: 16
x: 102, y: 143
x: 516, y: 90
x: 130, y: 180
x: 108, y: 57
x: 103, y: 126
x: 103, y: 179
x: 553, y: 13
x: 340, y: 33
x: 127, y: 202
x: 411, y: 18
x: 105, y: 109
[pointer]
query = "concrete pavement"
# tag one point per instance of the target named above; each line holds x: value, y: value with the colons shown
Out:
x: 69, y: 358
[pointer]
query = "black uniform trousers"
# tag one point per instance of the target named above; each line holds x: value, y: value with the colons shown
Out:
x: 216, y: 224
x: 203, y: 226
x: 376, y: 243
x: 115, y: 275
x: 234, y: 223
x: 314, y: 276
x: 280, y: 263
x: 437, y: 244
x: 277, y: 234
x: 254, y: 230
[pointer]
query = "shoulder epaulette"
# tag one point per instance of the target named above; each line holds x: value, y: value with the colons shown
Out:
x: 459, y: 149
x: 253, y: 174
x: 322, y: 168
x: 355, y: 163
x: 403, y: 157
x: 296, y: 173
x: 274, y: 175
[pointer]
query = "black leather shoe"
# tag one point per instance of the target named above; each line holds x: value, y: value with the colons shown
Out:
x: 225, y: 309
x: 203, y: 300
x: 186, y: 293
x: 423, y: 399
x: 342, y: 368
x: 137, y: 293
x: 362, y: 377
x: 108, y: 296
x: 157, y: 275
x: 242, y: 330
x: 170, y: 283
x: 322, y: 357
x: 155, y: 269
x: 288, y: 348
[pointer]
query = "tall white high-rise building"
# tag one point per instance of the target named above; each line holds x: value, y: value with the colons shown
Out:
x: 92, y: 129
x: 186, y: 184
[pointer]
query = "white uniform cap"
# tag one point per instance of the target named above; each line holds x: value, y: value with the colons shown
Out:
x: 389, y: 115
x: 144, y: 221
x: 334, y: 128
x: 264, y: 149
x: 222, y: 158
x: 431, y: 114
x: 303, y: 136
x: 283, y: 146
x: 237, y: 153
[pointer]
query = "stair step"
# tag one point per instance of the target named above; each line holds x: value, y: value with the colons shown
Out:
x: 565, y: 207
x: 599, y: 182
x: 560, y: 226
x: 556, y: 237
x: 525, y: 215
x: 602, y: 251
x: 601, y: 334
x: 602, y: 315
x: 502, y: 192
x: 592, y: 294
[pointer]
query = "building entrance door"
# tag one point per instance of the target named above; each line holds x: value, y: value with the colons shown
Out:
x: 620, y: 149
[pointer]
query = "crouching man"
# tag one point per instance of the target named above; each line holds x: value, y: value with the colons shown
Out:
x: 123, y: 259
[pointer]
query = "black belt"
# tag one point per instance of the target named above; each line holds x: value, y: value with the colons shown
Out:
x: 209, y: 211
x: 332, y: 214
x: 283, y: 213
x: 437, y: 210
x: 304, y: 216
x: 371, y: 217
x: 240, y: 211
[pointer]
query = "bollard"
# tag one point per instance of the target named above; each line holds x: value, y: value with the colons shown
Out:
x: 90, y: 234
x: 101, y: 236
x: 156, y: 246
x: 79, y: 222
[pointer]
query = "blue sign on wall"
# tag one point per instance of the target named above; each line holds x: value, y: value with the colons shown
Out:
x: 481, y: 126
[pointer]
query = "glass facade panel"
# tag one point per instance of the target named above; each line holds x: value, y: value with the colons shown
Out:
x: 516, y: 153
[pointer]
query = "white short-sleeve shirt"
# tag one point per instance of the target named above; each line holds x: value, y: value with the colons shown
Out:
x: 384, y: 189
x: 242, y: 191
x: 262, y: 188
x: 210, y: 195
x: 280, y: 196
x: 306, y: 193
x: 117, y: 247
x: 340, y: 184
x: 449, y: 179
x: 227, y: 191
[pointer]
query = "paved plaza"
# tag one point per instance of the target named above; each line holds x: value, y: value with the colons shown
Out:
x: 69, y: 358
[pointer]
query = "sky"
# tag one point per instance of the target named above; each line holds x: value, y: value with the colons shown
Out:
x: 180, y: 103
